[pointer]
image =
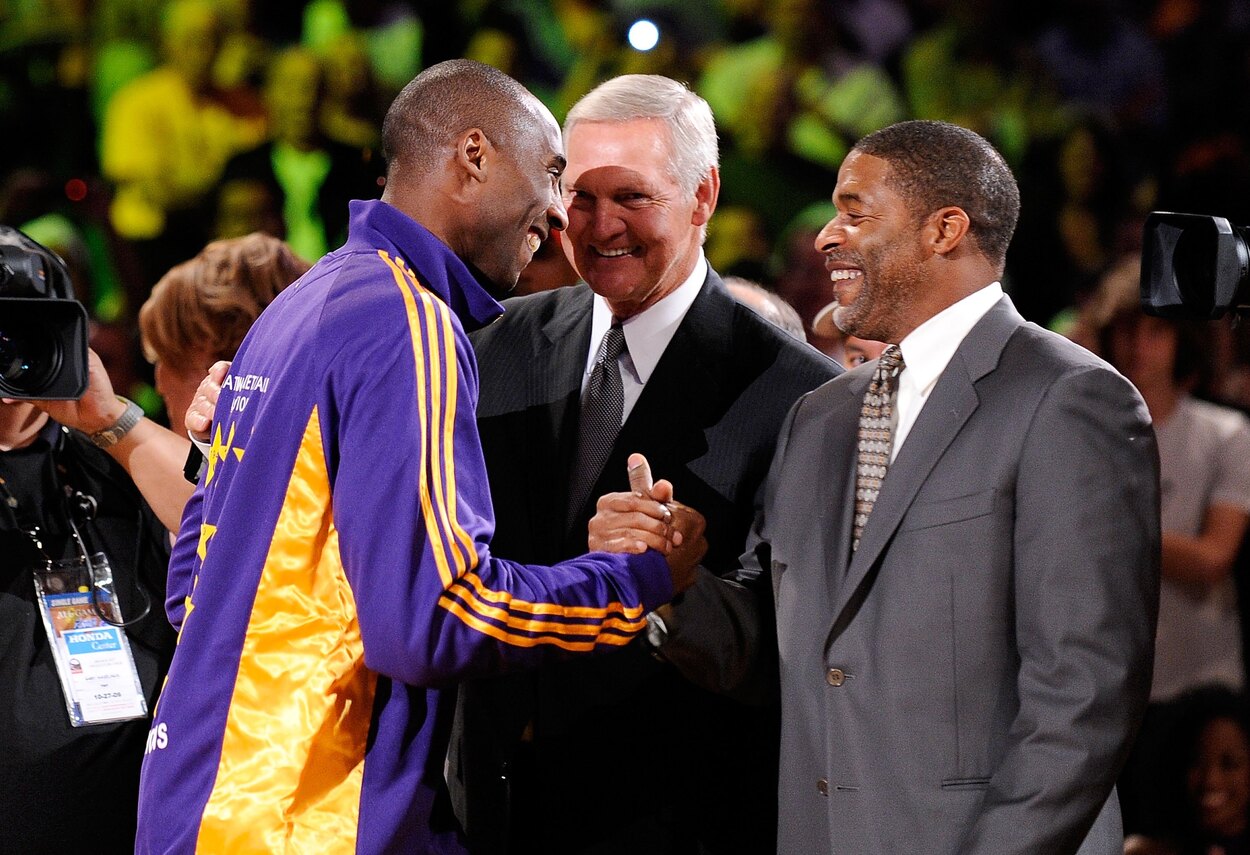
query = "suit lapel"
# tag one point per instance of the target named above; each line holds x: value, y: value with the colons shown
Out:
x: 952, y: 402
x: 839, y: 435
x: 688, y: 378
x: 567, y: 336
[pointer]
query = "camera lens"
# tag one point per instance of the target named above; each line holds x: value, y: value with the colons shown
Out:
x: 1194, y: 265
x: 28, y: 363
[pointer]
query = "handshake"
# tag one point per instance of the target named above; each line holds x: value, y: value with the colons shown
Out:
x: 648, y: 517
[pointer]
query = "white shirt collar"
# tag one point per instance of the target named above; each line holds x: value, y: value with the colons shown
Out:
x: 648, y: 333
x: 928, y: 349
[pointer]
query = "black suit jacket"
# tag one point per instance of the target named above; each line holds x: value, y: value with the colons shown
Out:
x: 619, y: 752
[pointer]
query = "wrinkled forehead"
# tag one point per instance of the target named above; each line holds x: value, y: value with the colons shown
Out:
x: 637, y: 146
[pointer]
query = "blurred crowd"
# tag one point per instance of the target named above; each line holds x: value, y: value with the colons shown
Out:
x: 135, y: 131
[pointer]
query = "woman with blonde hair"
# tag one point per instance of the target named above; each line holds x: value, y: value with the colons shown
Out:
x: 197, y: 314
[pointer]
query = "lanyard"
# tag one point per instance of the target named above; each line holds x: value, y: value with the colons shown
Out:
x: 83, y: 506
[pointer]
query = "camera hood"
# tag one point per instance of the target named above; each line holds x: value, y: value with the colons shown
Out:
x: 43, y: 329
x: 1193, y: 266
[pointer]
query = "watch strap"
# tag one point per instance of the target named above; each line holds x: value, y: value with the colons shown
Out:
x: 113, y: 434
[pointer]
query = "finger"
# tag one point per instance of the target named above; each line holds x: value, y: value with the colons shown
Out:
x: 624, y: 503
x: 639, y: 475
x: 606, y: 523
x: 219, y: 371
x: 662, y: 491
x: 629, y: 542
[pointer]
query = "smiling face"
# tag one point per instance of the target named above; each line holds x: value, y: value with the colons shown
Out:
x: 1219, y: 778
x: 634, y: 234
x: 520, y: 203
x: 873, y: 252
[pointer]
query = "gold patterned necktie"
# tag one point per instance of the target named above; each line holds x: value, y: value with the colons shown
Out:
x: 876, y: 436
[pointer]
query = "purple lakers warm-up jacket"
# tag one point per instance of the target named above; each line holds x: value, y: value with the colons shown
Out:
x: 333, y: 571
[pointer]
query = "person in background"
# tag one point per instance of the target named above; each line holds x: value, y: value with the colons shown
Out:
x: 767, y: 304
x: 69, y: 778
x: 1205, y: 809
x: 309, y: 177
x: 1204, y: 467
x: 165, y: 140
x: 197, y: 314
x: 851, y: 351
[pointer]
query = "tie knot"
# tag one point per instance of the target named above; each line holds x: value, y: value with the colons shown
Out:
x: 890, y: 361
x: 613, y: 344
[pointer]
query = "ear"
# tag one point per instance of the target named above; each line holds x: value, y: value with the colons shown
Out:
x: 705, y: 196
x: 949, y: 228
x: 474, y: 154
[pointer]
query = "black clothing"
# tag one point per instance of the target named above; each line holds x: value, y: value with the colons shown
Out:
x: 705, y: 780
x: 66, y: 789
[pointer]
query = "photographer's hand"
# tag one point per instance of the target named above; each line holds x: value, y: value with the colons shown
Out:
x: 96, y: 410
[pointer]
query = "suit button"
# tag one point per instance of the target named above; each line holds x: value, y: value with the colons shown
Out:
x: 835, y: 677
x: 822, y: 786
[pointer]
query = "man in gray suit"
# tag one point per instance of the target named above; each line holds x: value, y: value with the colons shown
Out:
x: 965, y: 619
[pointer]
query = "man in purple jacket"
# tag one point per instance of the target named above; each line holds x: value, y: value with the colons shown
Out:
x: 333, y: 572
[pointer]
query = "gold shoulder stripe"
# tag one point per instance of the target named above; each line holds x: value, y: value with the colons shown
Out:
x: 421, y: 367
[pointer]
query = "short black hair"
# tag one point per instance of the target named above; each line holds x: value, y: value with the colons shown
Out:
x: 935, y: 164
x: 445, y: 100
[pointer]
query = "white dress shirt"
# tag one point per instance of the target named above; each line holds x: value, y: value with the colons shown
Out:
x: 647, y: 334
x: 928, y: 349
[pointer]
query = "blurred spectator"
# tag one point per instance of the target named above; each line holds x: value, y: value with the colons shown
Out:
x: 1092, y: 191
x: 166, y: 139
x: 391, y: 33
x: 767, y: 304
x: 975, y: 69
x: 200, y: 310
x: 1102, y: 60
x: 1204, y: 452
x: 1204, y: 779
x: 850, y: 350
x: 307, y: 176
x: 548, y: 269
x: 800, y: 274
x: 737, y: 242
x: 351, y: 113
x: 791, y: 103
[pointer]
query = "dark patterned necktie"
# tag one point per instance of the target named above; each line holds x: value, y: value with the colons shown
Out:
x: 876, y: 436
x: 602, y: 408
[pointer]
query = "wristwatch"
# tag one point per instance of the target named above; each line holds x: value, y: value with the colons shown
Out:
x: 113, y: 434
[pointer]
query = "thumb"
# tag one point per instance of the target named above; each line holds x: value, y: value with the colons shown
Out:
x: 219, y: 370
x: 639, y: 475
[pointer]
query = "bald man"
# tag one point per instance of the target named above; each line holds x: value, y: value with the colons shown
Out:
x: 333, y: 573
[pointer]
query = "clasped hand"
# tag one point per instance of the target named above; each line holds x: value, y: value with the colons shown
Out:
x: 649, y: 517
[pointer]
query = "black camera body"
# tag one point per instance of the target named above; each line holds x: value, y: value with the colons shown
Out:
x: 1193, y: 266
x: 43, y: 329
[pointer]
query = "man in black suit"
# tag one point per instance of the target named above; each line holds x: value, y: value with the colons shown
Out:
x: 702, y: 385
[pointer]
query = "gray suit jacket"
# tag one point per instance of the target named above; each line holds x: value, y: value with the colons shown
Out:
x: 970, y: 680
